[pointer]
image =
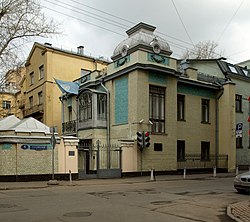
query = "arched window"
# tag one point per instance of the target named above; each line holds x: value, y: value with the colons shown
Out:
x: 85, y: 107
x: 101, y: 106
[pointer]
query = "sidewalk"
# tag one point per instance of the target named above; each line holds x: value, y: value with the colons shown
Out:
x: 239, y: 212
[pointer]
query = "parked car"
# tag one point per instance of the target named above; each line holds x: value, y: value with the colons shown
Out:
x: 242, y: 182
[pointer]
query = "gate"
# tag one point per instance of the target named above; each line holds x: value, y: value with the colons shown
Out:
x: 98, y: 160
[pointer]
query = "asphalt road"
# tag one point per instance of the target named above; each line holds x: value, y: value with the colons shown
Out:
x: 168, y: 201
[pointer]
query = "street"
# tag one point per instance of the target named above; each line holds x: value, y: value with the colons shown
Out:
x: 204, y: 199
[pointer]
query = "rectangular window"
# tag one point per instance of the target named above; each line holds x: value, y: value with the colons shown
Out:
x: 40, y: 98
x: 180, y: 150
x: 6, y: 104
x: 238, y: 103
x: 101, y: 106
x: 205, y: 151
x: 41, y: 72
x: 239, y: 144
x: 180, y: 107
x: 32, y: 78
x: 31, y: 101
x: 71, y: 153
x: 157, y: 109
x: 205, y: 111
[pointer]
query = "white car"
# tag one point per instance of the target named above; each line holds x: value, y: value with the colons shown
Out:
x: 242, y: 182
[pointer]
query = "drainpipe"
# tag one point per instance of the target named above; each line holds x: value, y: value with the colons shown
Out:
x: 217, y: 125
x: 108, y: 123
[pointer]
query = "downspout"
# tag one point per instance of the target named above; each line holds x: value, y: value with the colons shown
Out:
x: 217, y: 125
x: 108, y: 123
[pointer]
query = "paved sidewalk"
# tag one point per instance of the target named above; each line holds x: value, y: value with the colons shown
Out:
x: 239, y: 212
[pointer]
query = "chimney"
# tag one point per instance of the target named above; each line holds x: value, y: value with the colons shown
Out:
x: 80, y: 50
x: 47, y: 44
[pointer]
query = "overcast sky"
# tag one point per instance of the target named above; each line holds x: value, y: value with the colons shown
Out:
x: 100, y: 25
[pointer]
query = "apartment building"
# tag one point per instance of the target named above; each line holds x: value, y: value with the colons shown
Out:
x: 45, y: 63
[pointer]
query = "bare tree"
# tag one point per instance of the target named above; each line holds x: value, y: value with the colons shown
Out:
x: 20, y: 22
x: 203, y: 50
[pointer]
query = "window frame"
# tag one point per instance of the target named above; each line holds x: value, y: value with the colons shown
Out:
x: 41, y: 72
x: 180, y: 107
x: 205, y: 151
x: 40, y: 97
x: 181, y: 150
x: 157, y: 96
x: 239, y: 142
x: 31, y: 101
x: 85, y: 107
x: 101, y: 106
x: 238, y: 103
x: 6, y: 104
x: 32, y: 78
x: 205, y: 110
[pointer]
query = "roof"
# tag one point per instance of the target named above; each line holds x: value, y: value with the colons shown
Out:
x: 50, y: 47
x: 233, y: 70
x: 8, y: 122
x: 142, y: 36
x: 26, y: 125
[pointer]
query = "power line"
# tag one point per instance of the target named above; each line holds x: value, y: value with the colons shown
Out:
x: 182, y: 22
x: 176, y: 45
x: 230, y: 20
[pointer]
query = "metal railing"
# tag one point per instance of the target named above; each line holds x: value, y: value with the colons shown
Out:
x: 34, y: 109
x: 69, y: 127
x: 194, y: 161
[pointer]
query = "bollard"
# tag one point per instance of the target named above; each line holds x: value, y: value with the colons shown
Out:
x: 152, y: 175
x: 184, y: 173
x: 70, y: 176
x: 214, y: 171
x: 237, y: 170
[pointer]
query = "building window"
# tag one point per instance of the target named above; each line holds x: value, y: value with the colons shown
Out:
x: 239, y: 144
x: 180, y: 150
x: 180, y: 107
x: 40, y: 98
x: 31, y: 101
x: 238, y: 103
x: 70, y: 113
x: 101, y: 106
x: 32, y: 78
x: 205, y: 111
x: 157, y: 109
x: 41, y: 71
x: 6, y: 104
x: 85, y: 107
x: 205, y: 151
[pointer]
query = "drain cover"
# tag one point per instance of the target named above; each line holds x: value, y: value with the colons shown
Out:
x: 78, y: 214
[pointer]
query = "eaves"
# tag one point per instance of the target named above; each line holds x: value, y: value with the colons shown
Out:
x: 142, y: 66
x: 198, y: 83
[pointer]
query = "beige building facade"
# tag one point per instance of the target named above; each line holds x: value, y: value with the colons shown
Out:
x: 190, y: 121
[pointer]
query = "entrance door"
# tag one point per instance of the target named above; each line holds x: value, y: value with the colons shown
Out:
x: 84, y: 149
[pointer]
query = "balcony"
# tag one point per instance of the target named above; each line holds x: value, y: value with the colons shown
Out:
x: 69, y: 127
x: 34, y: 110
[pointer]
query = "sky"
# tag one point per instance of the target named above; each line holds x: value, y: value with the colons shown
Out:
x: 100, y: 25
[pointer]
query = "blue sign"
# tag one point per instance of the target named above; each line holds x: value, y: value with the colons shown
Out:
x: 37, y: 147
